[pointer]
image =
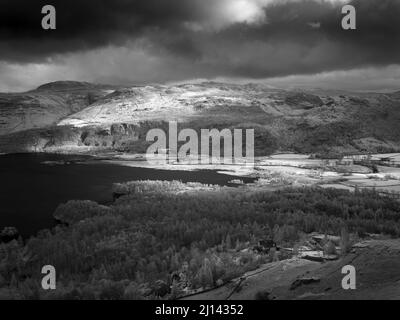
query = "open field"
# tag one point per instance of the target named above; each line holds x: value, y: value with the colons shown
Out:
x: 289, y: 169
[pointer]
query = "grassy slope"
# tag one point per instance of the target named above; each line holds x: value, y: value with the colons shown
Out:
x: 319, y: 122
x: 46, y: 105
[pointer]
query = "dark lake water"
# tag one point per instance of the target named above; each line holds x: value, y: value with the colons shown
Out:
x: 31, y: 190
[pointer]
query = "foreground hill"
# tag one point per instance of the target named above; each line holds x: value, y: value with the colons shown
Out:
x: 324, y: 122
x: 167, y: 239
x: 377, y: 267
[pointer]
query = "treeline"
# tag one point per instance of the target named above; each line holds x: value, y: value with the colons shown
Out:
x: 159, y: 236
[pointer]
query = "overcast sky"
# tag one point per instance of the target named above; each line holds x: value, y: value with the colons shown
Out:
x: 280, y: 42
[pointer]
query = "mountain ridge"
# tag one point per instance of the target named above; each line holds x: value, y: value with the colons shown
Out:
x: 117, y: 118
x: 46, y: 105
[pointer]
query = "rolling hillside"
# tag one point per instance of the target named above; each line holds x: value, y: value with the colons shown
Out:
x: 46, y: 105
x: 77, y: 117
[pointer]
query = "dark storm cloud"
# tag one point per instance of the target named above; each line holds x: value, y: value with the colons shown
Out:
x: 289, y: 45
x: 82, y: 24
x: 206, y: 37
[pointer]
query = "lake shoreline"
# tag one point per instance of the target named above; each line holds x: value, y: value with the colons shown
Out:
x: 35, y: 184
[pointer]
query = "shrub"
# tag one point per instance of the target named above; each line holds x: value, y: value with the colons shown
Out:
x: 78, y: 210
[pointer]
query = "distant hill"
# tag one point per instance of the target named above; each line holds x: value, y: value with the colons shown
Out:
x: 82, y: 115
x: 46, y: 105
x: 395, y: 95
x: 70, y: 86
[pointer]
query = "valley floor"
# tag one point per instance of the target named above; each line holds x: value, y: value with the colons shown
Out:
x: 282, y: 170
x: 156, y: 232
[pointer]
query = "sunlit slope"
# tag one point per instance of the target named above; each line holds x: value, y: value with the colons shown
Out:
x: 46, y: 105
x: 81, y: 115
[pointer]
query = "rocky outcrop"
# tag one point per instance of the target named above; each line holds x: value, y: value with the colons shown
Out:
x: 303, y: 100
